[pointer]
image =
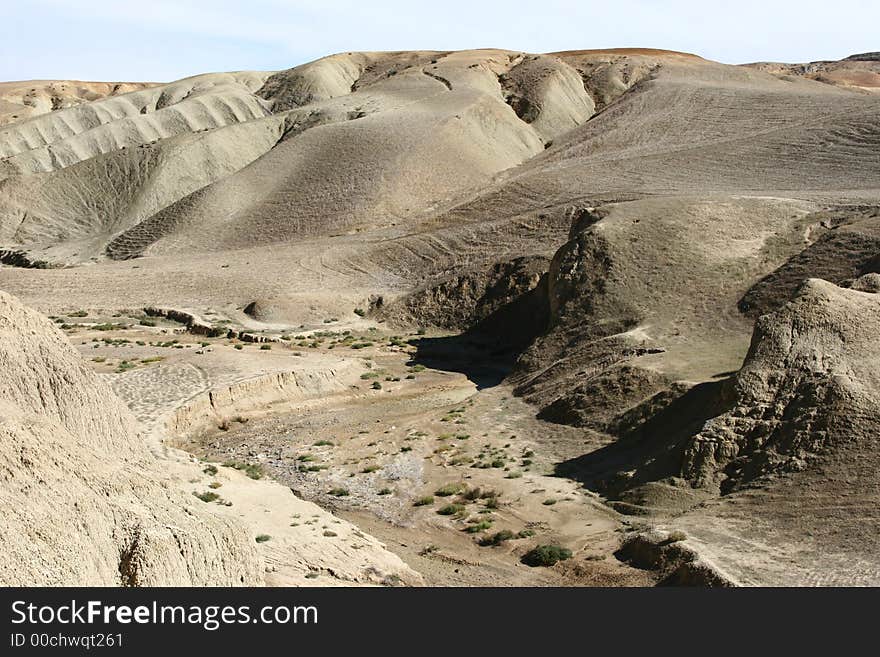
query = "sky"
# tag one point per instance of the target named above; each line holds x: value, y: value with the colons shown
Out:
x: 164, y: 40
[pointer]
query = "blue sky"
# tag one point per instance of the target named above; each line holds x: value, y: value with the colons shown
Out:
x: 162, y: 40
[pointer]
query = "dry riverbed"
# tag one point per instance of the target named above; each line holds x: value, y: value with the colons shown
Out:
x: 458, y: 481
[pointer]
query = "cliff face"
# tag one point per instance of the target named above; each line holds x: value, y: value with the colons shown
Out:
x: 84, y: 501
x: 807, y: 393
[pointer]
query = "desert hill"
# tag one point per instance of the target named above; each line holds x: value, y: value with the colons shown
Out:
x: 621, y: 238
x: 28, y: 98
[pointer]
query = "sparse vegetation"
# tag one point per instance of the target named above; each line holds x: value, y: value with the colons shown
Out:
x: 252, y: 470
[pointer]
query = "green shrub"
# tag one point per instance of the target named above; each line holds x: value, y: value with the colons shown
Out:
x: 450, y: 509
x: 265, y: 347
x: 210, y: 470
x: 478, y: 527
x: 207, y: 496
x: 497, y: 538
x: 450, y: 489
x: 472, y: 494
x: 376, y: 385
x: 339, y: 492
x: 262, y: 538
x: 254, y: 471
x: 546, y: 555
x: 427, y: 500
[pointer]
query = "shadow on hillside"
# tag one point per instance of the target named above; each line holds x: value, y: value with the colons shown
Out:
x: 475, y: 356
x: 652, y: 443
x: 487, y: 352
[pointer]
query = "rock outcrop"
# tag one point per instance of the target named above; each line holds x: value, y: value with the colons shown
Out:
x: 809, y: 390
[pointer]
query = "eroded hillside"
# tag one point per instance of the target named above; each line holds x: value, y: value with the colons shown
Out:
x: 619, y: 238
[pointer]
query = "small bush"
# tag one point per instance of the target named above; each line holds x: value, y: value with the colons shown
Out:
x: 478, y: 527
x: 376, y: 385
x: 265, y: 347
x: 339, y: 492
x: 675, y: 537
x: 385, y: 491
x: 323, y: 443
x: 207, y: 496
x: 450, y: 509
x: 472, y: 494
x: 262, y: 538
x: 210, y: 470
x: 450, y: 489
x: 427, y: 500
x: 546, y: 555
x: 497, y: 538
x: 254, y: 471
x: 237, y: 346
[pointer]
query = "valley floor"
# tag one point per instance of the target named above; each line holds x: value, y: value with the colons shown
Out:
x: 426, y: 460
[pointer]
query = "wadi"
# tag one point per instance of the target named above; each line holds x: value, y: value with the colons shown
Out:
x: 471, y: 318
